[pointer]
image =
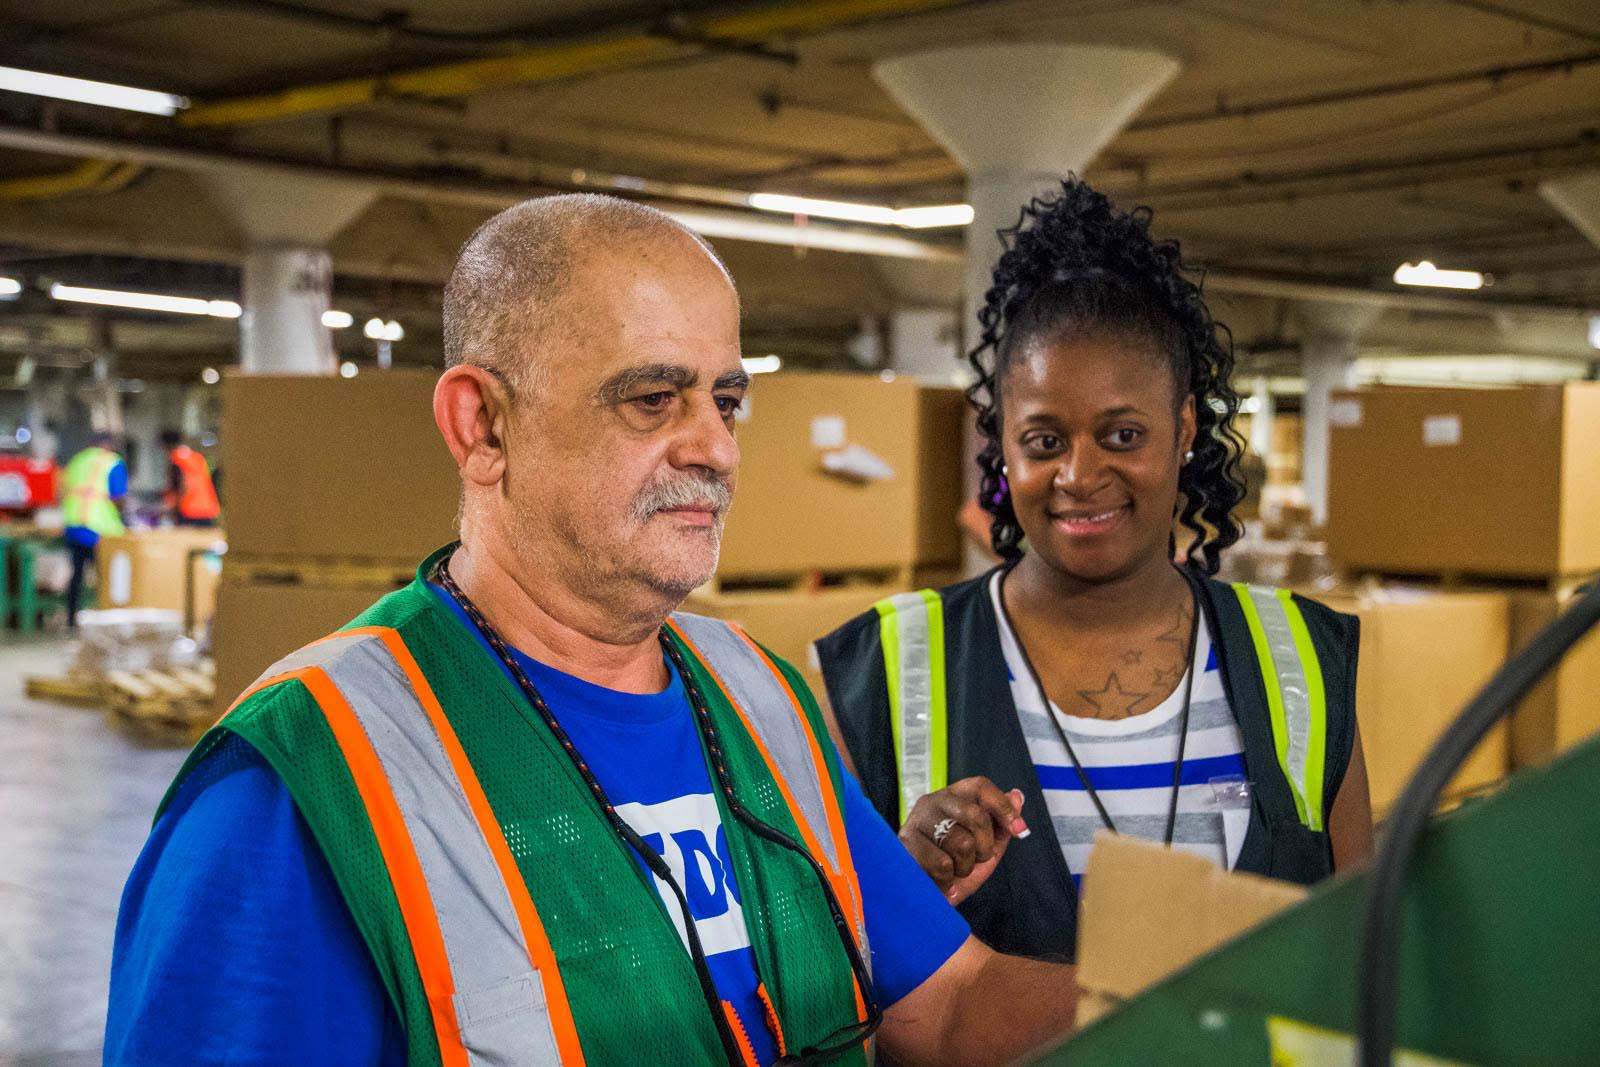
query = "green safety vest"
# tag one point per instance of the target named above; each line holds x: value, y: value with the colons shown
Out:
x: 87, y: 492
x: 912, y: 635
x: 507, y: 921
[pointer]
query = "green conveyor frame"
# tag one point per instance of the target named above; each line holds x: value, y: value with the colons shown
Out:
x: 1499, y: 961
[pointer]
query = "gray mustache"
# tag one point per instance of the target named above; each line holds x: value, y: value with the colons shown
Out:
x: 681, y: 492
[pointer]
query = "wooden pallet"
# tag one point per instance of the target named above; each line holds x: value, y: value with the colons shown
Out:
x: 345, y: 572
x: 65, y: 689
x: 159, y: 707
x: 1467, y: 581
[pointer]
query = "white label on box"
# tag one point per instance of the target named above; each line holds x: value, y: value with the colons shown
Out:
x: 1441, y: 430
x: 827, y: 431
x: 119, y: 578
x: 1344, y: 413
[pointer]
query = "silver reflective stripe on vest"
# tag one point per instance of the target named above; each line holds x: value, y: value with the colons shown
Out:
x: 1300, y: 714
x: 499, y: 999
x: 772, y: 715
x: 912, y: 703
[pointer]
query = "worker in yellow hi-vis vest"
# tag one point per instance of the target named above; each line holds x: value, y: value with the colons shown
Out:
x: 93, y: 486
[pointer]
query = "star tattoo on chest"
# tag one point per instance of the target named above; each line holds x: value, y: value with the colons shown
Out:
x: 1113, y: 701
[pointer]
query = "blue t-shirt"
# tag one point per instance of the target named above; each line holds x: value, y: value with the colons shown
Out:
x: 212, y: 960
x: 116, y: 488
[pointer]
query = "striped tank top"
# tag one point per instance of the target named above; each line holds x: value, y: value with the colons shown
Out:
x: 1130, y: 763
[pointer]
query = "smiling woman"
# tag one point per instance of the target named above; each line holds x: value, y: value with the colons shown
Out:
x: 1089, y: 681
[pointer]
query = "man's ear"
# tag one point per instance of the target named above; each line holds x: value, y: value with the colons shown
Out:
x: 471, y: 408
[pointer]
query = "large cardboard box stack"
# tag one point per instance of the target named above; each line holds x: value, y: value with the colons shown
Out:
x: 334, y: 487
x: 1424, y: 653
x: 845, y: 472
x: 1565, y: 708
x: 1501, y: 483
x: 172, y: 569
x: 1498, y: 484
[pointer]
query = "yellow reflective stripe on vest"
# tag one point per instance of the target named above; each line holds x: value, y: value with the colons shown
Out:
x: 911, y: 629
x: 492, y: 984
x: 773, y: 715
x: 1296, y: 698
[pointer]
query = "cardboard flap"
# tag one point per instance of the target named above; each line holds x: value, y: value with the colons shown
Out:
x: 1147, y: 911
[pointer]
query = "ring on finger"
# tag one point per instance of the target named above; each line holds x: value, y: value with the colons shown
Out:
x: 941, y: 830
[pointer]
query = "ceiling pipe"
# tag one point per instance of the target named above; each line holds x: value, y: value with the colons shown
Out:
x: 618, y: 51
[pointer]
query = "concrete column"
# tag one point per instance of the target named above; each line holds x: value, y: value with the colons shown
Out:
x: 1261, y: 421
x: 287, y: 221
x: 926, y: 342
x: 1329, y: 345
x: 286, y: 290
x: 1019, y: 118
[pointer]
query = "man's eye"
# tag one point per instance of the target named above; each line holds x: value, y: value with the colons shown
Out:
x: 729, y: 404
x: 653, y: 401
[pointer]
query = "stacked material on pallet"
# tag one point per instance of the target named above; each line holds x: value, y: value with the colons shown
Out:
x: 141, y: 668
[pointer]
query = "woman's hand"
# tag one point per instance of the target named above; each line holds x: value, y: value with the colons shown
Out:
x: 959, y: 833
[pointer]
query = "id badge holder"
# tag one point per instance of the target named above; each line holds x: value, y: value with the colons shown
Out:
x: 1232, y: 795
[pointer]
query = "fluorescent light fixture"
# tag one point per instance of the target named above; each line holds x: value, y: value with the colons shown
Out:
x: 10, y: 287
x: 1426, y: 273
x: 338, y: 320
x: 378, y: 330
x: 1594, y: 331
x: 926, y: 218
x: 914, y: 218
x: 744, y: 226
x: 1250, y: 405
x: 84, y: 91
x: 348, y: 369
x: 210, y: 376
x: 823, y: 209
x: 761, y: 364
x: 181, y: 305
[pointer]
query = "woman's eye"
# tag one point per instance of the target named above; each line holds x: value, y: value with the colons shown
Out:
x: 1047, y: 442
x: 1126, y: 437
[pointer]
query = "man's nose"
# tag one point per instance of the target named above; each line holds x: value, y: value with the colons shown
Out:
x: 704, y: 440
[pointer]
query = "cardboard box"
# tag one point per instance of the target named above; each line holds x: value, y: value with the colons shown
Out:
x: 258, y: 623
x: 343, y: 467
x: 790, y: 514
x: 154, y: 569
x: 1424, y: 654
x: 788, y: 622
x: 1148, y: 911
x: 1565, y: 708
x: 1499, y: 482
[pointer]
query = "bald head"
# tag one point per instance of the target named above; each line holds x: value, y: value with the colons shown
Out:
x: 513, y: 288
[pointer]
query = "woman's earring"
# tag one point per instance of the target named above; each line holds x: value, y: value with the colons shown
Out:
x: 1188, y: 457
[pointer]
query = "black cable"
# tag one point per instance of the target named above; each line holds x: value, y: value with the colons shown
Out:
x: 1377, y: 994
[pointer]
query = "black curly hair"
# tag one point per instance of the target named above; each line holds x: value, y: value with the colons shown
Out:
x: 1075, y: 264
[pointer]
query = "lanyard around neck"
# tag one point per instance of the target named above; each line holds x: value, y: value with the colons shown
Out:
x: 1061, y: 733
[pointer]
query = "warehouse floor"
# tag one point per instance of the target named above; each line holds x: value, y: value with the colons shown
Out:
x: 75, y: 804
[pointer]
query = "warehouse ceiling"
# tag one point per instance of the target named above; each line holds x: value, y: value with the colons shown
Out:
x: 1309, y: 141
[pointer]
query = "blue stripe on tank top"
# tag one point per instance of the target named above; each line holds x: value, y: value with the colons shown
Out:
x: 1141, y: 775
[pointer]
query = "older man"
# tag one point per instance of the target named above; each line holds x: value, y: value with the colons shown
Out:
x: 522, y: 813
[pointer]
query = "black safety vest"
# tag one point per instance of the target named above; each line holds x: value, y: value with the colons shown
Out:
x: 1029, y: 905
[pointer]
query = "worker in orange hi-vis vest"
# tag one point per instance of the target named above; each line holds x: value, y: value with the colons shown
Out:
x: 191, y: 497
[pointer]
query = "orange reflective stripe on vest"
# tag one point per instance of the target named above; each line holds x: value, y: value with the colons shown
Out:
x: 486, y: 965
x: 748, y: 678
